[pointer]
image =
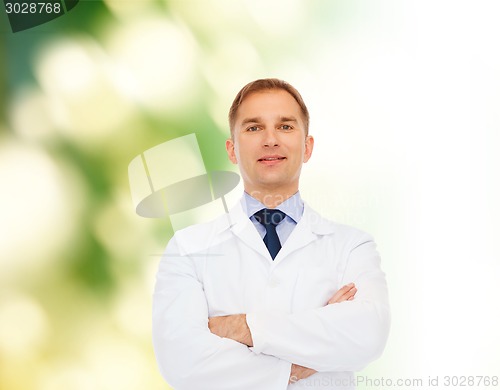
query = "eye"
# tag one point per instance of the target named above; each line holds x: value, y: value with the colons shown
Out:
x: 286, y: 127
x: 253, y: 128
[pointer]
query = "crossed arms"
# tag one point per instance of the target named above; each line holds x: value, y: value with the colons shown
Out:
x: 235, y: 327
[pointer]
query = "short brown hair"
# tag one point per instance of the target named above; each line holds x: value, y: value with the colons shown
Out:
x: 262, y: 85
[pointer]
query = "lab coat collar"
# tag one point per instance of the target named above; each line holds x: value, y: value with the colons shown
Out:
x: 310, y: 227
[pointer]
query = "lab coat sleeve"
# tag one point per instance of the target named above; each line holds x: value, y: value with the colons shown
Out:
x: 188, y: 354
x: 338, y: 337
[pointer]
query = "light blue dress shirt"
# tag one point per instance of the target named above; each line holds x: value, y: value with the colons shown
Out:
x: 293, y: 207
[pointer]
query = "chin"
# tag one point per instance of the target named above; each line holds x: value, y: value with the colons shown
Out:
x: 273, y: 184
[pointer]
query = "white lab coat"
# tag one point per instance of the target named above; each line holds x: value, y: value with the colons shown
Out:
x: 223, y: 267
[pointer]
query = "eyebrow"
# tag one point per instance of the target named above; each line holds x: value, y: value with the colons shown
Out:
x: 259, y: 120
x: 251, y: 120
x: 288, y: 119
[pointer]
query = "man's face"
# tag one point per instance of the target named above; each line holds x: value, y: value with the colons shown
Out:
x: 269, y: 143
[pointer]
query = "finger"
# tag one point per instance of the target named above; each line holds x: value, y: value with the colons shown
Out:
x: 350, y: 295
x: 346, y: 297
x: 336, y: 298
x: 343, y: 294
x: 341, y: 291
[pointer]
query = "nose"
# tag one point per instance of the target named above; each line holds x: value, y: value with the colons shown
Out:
x: 270, y: 139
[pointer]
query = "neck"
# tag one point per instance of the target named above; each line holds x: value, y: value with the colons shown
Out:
x: 271, y: 199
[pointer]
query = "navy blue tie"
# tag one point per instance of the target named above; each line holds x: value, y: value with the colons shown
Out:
x: 270, y: 218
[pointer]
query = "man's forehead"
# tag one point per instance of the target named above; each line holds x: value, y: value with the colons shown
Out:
x: 267, y: 94
x: 277, y: 103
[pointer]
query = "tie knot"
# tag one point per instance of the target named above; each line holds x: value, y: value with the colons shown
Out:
x: 269, y: 216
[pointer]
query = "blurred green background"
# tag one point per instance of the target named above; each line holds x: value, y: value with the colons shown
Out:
x: 404, y: 103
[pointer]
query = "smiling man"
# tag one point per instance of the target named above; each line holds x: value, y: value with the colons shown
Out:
x: 272, y: 295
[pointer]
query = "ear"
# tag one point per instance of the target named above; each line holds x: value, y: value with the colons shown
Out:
x: 309, y: 148
x: 230, y: 151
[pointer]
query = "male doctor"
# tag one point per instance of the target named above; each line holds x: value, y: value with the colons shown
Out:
x: 270, y: 296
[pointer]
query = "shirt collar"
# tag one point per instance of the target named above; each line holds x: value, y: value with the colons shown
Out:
x: 293, y: 207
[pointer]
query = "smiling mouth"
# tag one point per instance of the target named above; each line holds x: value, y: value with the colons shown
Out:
x: 271, y: 158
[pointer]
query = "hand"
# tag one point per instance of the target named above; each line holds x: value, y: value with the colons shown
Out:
x: 299, y: 372
x: 346, y: 293
x: 233, y: 327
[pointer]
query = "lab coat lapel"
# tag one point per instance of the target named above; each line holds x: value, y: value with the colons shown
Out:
x: 244, y: 229
x: 310, y: 226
